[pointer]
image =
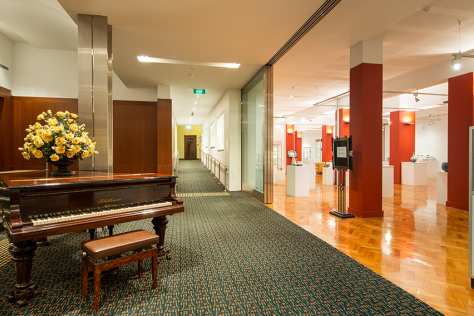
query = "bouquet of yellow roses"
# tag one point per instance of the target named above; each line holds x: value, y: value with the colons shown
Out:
x: 61, y: 137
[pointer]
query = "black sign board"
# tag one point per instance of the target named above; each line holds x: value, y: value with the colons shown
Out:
x: 342, y: 153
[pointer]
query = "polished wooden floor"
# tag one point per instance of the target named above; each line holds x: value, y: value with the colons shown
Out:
x: 419, y: 245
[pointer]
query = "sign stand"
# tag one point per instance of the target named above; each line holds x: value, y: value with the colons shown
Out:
x: 341, y: 161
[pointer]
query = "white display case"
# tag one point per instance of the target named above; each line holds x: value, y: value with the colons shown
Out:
x: 414, y: 173
x: 387, y: 181
x: 297, y: 181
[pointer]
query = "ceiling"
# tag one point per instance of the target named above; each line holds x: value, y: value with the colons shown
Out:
x: 415, y: 35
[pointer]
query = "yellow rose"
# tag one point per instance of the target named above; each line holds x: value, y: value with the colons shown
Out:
x: 96, y: 152
x: 49, y: 112
x: 60, y: 141
x: 38, y: 154
x: 54, y: 157
x: 70, y: 120
x: 37, y: 125
x: 48, y: 139
x: 67, y: 113
x: 61, y: 114
x: 76, y: 140
x: 60, y: 149
x: 30, y: 137
x: 70, y: 136
x: 26, y: 155
x: 39, y: 117
x: 74, y: 115
x: 85, y: 154
x: 38, y: 142
x: 39, y: 132
x: 74, y: 127
x: 52, y: 121
x: 77, y: 148
x: 70, y: 154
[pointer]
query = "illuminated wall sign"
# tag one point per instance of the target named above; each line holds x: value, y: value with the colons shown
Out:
x: 199, y: 91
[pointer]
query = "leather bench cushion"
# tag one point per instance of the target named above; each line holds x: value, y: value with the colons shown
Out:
x: 117, y: 244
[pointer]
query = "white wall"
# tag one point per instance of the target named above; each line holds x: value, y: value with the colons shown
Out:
x: 231, y: 155
x: 433, y: 140
x: 309, y: 140
x: 121, y: 92
x: 44, y: 72
x: 6, y: 59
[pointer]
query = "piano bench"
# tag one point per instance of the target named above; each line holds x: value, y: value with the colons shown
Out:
x: 110, y: 246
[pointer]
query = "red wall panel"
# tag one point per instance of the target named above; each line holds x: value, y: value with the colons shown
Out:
x: 402, y: 141
x: 344, y: 121
x: 290, y: 141
x: 461, y: 116
x: 299, y: 144
x: 365, y: 197
x: 327, y: 134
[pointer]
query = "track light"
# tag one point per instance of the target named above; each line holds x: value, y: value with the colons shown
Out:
x: 416, y: 96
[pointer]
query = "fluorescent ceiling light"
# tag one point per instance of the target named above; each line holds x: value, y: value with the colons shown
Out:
x: 386, y: 114
x: 146, y: 59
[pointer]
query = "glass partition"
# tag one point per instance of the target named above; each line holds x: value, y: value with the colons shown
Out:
x: 253, y: 106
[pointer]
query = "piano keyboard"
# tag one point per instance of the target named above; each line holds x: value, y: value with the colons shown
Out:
x: 90, y: 212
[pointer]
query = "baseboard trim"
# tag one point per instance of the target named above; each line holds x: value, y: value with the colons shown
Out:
x: 360, y: 213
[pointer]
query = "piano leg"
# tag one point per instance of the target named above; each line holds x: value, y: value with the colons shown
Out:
x: 22, y: 255
x: 111, y: 229
x: 92, y: 233
x: 159, y: 225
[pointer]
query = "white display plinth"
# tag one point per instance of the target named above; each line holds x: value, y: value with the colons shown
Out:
x: 387, y: 181
x: 328, y: 175
x: 347, y: 177
x: 432, y: 169
x: 441, y: 187
x: 414, y: 173
x: 311, y: 175
x: 297, y: 182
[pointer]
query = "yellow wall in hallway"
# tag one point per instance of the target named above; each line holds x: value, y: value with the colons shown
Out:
x: 182, y: 131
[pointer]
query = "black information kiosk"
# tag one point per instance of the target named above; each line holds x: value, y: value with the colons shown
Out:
x: 341, y: 161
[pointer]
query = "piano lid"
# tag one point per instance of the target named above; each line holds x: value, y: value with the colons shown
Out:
x: 22, y: 180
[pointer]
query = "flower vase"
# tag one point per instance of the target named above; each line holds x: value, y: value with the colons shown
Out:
x: 62, y: 165
x: 413, y: 158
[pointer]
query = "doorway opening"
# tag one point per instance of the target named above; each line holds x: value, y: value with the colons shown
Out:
x: 190, y: 152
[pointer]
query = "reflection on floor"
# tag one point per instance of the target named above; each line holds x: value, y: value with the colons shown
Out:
x: 419, y: 245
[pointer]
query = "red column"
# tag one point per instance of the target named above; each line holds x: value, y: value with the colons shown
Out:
x: 402, y: 141
x: 365, y: 189
x: 327, y: 134
x: 290, y: 141
x: 344, y: 118
x: 461, y: 116
x: 299, y: 144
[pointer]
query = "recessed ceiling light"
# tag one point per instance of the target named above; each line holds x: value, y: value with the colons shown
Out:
x: 146, y: 59
x: 291, y: 96
x: 194, y: 109
x: 195, y: 103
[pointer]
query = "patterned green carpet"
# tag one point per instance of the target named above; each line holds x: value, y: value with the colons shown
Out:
x: 231, y: 256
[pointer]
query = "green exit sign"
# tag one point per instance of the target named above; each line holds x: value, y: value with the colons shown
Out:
x: 199, y: 91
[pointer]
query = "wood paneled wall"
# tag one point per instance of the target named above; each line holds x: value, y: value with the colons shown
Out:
x: 25, y: 111
x: 135, y: 137
x: 164, y: 132
x: 6, y: 129
x: 142, y: 132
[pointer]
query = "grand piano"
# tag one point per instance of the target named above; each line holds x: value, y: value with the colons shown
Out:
x: 35, y: 206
